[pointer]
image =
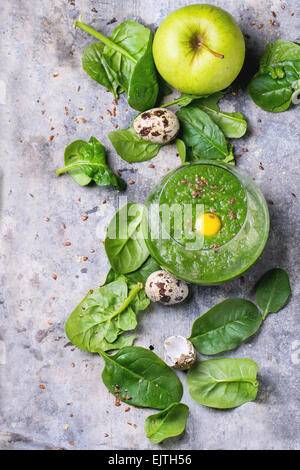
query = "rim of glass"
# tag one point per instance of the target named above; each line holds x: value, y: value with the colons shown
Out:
x: 225, y: 167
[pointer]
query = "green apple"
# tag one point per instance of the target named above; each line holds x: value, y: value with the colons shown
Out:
x: 199, y: 49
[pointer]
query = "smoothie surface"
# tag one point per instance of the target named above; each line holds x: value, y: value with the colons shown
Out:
x: 216, y: 202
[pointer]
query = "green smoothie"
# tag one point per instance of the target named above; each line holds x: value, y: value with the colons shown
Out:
x: 207, y: 222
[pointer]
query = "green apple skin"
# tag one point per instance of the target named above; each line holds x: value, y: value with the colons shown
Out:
x: 184, y: 63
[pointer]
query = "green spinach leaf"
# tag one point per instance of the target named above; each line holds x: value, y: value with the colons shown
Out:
x: 86, y: 161
x: 225, y: 325
x: 164, y: 90
x: 141, y: 275
x: 181, y: 149
x: 104, y: 314
x: 143, y: 379
x: 95, y: 65
x: 223, y: 383
x: 123, y: 62
x: 125, y: 245
x: 183, y: 100
x: 273, y: 291
x: 205, y: 137
x: 233, y: 125
x: 131, y: 147
x: 167, y: 423
x: 274, y: 85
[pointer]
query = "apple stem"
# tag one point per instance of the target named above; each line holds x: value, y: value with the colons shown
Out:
x: 216, y: 54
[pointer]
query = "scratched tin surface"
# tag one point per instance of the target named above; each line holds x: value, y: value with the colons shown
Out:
x: 42, y: 86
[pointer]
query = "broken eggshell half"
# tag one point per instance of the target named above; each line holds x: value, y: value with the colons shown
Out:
x: 179, y: 352
x: 157, y: 125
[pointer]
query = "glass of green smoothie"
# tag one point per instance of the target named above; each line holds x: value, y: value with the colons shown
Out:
x: 207, y: 222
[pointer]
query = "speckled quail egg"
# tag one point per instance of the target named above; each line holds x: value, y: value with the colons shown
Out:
x: 162, y: 287
x: 158, y: 125
x: 179, y: 352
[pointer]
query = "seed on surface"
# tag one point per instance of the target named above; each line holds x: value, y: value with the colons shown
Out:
x: 131, y: 182
x: 67, y: 243
x: 85, y: 217
x: 42, y: 387
x: 54, y: 276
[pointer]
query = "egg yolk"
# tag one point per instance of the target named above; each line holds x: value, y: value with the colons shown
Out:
x: 208, y: 224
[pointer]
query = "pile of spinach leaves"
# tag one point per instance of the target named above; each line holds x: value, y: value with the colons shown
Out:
x: 99, y: 320
x: 204, y: 132
x: 277, y: 82
x: 227, y: 383
x: 123, y: 62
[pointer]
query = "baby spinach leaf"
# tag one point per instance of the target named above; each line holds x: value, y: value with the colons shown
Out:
x: 123, y: 62
x: 233, y: 125
x: 225, y: 325
x: 104, y: 314
x: 274, y: 94
x: 141, y: 275
x: 131, y: 147
x: 183, y: 100
x: 86, y: 161
x: 181, y: 149
x: 122, y: 341
x: 164, y: 90
x: 143, y: 379
x: 274, y: 85
x: 125, y: 245
x: 273, y: 291
x: 223, y: 383
x: 205, y: 137
x: 95, y: 65
x: 280, y: 51
x: 167, y: 423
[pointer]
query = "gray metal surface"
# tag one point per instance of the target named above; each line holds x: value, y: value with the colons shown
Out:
x: 74, y: 410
